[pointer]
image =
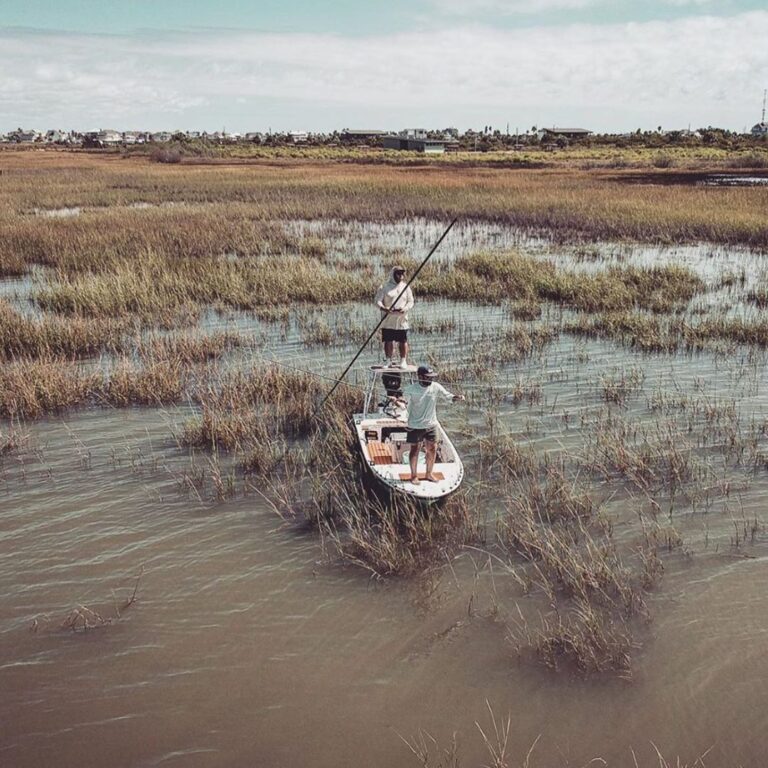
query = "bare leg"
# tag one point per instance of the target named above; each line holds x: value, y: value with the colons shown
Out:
x: 413, y: 457
x: 431, y: 450
x: 389, y: 349
x: 403, y: 350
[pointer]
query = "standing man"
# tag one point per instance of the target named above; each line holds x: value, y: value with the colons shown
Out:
x: 395, y: 325
x: 422, y: 419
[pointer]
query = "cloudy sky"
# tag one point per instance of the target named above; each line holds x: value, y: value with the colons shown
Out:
x: 607, y: 65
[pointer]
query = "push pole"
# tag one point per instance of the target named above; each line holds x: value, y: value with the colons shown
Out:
x: 384, y: 316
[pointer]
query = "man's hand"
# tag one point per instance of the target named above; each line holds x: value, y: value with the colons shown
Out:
x: 458, y: 398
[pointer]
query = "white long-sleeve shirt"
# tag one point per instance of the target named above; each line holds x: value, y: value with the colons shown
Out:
x: 422, y: 404
x: 386, y: 296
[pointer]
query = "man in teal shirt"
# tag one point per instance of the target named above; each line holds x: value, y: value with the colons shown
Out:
x: 422, y: 419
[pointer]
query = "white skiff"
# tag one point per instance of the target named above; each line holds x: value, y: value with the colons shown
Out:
x: 381, y: 435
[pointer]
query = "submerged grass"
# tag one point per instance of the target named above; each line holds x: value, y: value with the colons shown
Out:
x: 649, y: 333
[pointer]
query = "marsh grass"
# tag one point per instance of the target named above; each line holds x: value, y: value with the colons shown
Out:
x: 498, y: 736
x: 153, y: 384
x: 114, y: 236
x: 583, y: 639
x: 737, y: 330
x: 660, y: 456
x: 551, y: 523
x: 400, y: 539
x: 575, y: 563
x: 116, y: 274
x: 502, y: 457
x: 33, y: 388
x: 649, y: 333
x: 619, y: 387
x: 483, y: 277
x: 83, y: 619
x: 572, y: 204
x: 156, y: 288
x: 758, y: 296
x: 188, y: 348
x: 49, y: 336
x: 641, y: 331
x: 12, y: 440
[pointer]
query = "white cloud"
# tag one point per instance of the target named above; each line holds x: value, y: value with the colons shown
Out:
x: 684, y: 3
x: 662, y: 70
x: 510, y: 7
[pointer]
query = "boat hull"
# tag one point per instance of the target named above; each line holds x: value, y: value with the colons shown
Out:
x: 386, y: 465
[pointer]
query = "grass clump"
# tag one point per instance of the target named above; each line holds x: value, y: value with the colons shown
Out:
x: 189, y: 348
x: 738, y: 330
x: 573, y: 560
x: 618, y: 388
x: 487, y: 277
x: 159, y: 288
x: 399, y: 539
x: 32, y: 388
x: 661, y: 458
x: 50, y: 336
x: 749, y: 160
x: 640, y: 331
x: 585, y: 639
x: 253, y: 412
x: 160, y: 383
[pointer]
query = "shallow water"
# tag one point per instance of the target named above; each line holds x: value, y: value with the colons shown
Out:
x: 248, y: 647
x: 732, y: 180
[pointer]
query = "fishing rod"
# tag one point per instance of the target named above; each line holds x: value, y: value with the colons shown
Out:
x: 384, y: 316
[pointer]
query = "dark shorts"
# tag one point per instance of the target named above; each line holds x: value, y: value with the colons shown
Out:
x: 391, y: 334
x: 419, y: 435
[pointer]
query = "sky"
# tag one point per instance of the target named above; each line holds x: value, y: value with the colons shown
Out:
x: 605, y: 65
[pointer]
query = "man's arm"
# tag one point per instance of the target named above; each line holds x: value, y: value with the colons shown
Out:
x: 408, y: 298
x: 379, y: 300
x: 449, y: 395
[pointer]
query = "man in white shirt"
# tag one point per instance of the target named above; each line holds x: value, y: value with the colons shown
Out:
x: 394, y: 307
x: 422, y: 419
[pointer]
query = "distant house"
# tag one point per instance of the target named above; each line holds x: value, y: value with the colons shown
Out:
x: 161, y: 137
x: 759, y: 130
x: 299, y: 137
x: 132, y: 137
x: 255, y: 137
x: 107, y: 137
x: 565, y: 133
x: 360, y: 135
x: 414, y: 140
x: 20, y: 136
x: 55, y: 137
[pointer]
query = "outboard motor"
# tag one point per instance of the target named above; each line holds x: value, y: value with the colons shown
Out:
x: 393, y: 383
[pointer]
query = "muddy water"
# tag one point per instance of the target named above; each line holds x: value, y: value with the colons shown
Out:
x: 248, y: 647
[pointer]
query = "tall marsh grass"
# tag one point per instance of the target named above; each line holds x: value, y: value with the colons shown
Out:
x: 571, y: 204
